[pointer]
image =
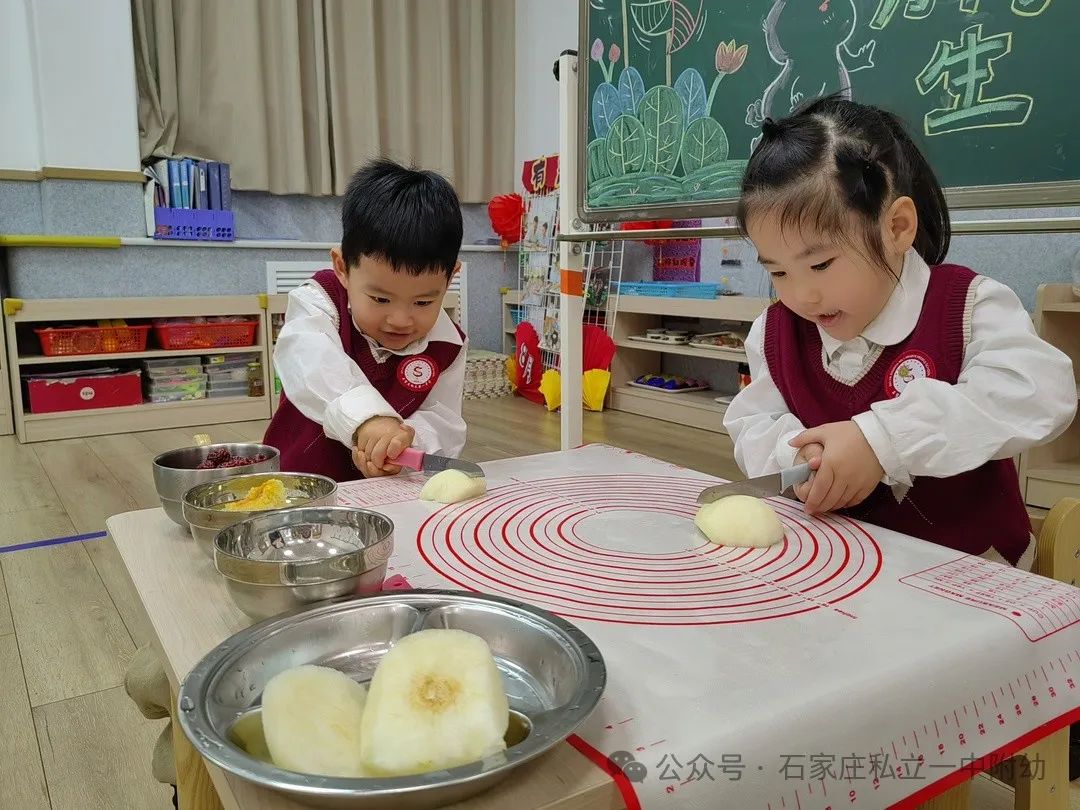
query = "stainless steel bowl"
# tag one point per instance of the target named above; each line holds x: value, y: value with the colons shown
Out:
x: 553, y: 673
x: 175, y: 473
x: 202, y: 504
x: 279, y: 561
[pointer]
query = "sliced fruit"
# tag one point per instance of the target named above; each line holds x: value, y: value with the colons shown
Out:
x: 311, y: 719
x: 437, y: 701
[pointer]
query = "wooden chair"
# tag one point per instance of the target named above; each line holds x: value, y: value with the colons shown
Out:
x: 1057, y: 556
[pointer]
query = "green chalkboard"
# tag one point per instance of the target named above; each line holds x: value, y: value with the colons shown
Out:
x: 672, y: 93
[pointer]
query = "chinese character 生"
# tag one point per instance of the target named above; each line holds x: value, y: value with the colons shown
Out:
x: 965, y: 68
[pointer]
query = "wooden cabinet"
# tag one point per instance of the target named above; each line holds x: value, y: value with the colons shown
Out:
x: 1052, y: 472
x: 23, y: 353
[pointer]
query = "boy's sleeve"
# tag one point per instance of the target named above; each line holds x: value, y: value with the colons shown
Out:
x: 758, y: 419
x: 440, y: 428
x: 318, y: 377
x: 1014, y: 391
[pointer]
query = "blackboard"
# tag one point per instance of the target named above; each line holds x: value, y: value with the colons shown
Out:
x: 672, y: 93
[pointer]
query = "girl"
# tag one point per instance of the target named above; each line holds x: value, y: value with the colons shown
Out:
x: 907, y: 383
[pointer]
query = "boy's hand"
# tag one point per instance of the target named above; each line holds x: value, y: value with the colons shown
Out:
x: 849, y: 470
x: 369, y: 470
x: 379, y: 441
x: 809, y: 454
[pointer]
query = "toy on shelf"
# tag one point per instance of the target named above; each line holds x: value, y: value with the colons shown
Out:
x: 670, y: 383
x: 720, y: 340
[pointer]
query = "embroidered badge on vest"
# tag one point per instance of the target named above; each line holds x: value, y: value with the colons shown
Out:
x: 911, y: 365
x: 418, y: 373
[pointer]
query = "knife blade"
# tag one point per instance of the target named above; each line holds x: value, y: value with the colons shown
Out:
x: 766, y: 486
x: 431, y: 464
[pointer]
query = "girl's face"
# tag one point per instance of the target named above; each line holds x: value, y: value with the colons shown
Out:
x: 831, y: 284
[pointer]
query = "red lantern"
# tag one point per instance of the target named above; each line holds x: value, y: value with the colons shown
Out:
x: 506, y: 213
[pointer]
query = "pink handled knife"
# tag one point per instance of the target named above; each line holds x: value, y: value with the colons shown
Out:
x: 429, y: 464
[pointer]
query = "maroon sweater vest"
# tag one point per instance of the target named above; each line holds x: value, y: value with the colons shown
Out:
x: 970, y: 512
x: 403, y: 381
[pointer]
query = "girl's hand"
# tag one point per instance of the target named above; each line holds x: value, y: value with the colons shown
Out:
x: 849, y: 469
x: 809, y: 454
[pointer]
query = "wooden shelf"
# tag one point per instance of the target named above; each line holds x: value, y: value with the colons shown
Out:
x: 724, y: 308
x: 32, y: 427
x: 733, y: 355
x: 38, y: 427
x: 40, y: 359
x: 695, y: 409
x: 90, y: 309
x: 1061, y: 472
x: 1051, y: 471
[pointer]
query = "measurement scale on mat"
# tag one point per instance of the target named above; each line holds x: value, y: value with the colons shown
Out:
x: 966, y: 737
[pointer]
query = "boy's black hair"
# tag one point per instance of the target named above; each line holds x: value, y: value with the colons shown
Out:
x: 834, y: 158
x: 404, y: 216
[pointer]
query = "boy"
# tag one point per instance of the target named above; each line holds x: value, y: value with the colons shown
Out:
x: 370, y: 364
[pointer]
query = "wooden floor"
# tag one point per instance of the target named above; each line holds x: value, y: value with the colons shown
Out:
x: 69, y: 619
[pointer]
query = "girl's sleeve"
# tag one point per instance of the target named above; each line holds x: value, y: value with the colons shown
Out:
x: 1015, y: 391
x: 758, y: 419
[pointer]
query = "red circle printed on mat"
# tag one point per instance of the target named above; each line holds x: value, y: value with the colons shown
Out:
x: 623, y: 549
x: 418, y: 373
x: 911, y: 365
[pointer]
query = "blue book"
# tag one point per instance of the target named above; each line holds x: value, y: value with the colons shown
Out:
x: 175, y: 200
x: 204, y: 196
x: 213, y: 184
x: 226, y: 187
x: 185, y: 183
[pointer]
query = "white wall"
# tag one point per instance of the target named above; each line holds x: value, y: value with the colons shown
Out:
x: 542, y: 30
x: 74, y: 63
x: 20, y: 128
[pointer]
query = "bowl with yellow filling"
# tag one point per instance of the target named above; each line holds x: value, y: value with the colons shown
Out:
x: 216, y: 505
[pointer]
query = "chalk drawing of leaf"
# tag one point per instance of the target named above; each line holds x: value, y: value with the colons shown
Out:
x: 662, y: 116
x: 626, y: 146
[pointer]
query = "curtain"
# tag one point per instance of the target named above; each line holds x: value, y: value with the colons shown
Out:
x: 296, y: 94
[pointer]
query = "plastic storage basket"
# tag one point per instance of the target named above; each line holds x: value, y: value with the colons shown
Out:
x: 200, y: 225
x: 92, y: 340
x: 664, y: 289
x: 206, y: 335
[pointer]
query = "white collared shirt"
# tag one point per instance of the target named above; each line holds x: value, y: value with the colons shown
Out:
x: 1014, y: 391
x: 328, y: 387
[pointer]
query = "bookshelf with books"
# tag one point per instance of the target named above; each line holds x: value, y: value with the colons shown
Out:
x: 189, y: 199
x: 88, y: 367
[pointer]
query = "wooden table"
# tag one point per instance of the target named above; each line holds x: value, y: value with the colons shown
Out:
x: 191, y: 613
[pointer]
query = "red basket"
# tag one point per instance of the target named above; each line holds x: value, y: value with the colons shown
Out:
x: 92, y: 340
x: 206, y: 335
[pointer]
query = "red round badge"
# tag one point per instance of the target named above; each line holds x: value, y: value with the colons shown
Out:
x: 908, y: 367
x: 418, y: 373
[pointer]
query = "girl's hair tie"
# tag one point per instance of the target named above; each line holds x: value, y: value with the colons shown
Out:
x: 769, y: 127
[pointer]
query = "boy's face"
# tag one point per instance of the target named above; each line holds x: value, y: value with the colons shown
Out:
x: 393, y: 307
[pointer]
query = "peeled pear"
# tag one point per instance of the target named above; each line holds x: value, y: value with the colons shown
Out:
x: 436, y: 701
x: 740, y: 520
x: 311, y: 719
x: 452, y: 486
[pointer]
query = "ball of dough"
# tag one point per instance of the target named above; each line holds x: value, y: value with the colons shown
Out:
x: 452, y: 486
x: 311, y: 718
x: 740, y: 520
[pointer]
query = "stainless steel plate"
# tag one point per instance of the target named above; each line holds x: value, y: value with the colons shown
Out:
x: 554, y: 676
